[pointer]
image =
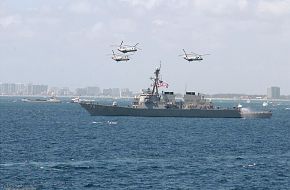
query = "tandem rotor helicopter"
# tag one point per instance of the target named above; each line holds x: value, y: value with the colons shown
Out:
x: 124, y: 49
x: 120, y: 57
x: 127, y: 48
x: 192, y: 56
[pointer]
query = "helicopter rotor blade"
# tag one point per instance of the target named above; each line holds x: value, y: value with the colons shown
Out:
x: 200, y: 54
x: 132, y: 45
x: 184, y: 52
x: 196, y: 54
x: 129, y: 45
x: 114, y: 54
x: 128, y: 55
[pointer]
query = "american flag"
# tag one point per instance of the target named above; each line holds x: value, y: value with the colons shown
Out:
x: 163, y: 84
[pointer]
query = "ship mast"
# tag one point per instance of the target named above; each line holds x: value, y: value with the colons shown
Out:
x: 156, y: 81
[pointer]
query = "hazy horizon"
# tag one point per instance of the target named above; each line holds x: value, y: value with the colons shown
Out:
x: 65, y: 43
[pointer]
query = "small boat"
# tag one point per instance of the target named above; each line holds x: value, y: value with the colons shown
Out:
x: 265, y: 104
x: 53, y: 100
x: 75, y: 100
x: 33, y: 100
x: 41, y: 100
x: 79, y: 100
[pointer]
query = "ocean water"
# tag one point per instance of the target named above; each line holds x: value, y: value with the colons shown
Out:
x: 60, y: 146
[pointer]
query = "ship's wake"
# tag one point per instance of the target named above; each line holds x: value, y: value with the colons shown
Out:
x: 249, y: 113
x: 246, y: 110
x: 105, y: 122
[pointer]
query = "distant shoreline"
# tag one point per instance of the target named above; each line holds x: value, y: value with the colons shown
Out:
x: 111, y: 97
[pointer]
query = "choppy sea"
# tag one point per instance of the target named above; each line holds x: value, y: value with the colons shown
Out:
x: 60, y: 146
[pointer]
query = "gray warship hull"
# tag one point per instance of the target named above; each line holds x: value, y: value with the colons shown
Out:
x: 104, y: 110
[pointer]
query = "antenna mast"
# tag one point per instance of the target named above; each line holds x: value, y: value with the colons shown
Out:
x: 156, y: 81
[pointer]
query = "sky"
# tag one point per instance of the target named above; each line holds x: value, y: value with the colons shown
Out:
x: 67, y: 43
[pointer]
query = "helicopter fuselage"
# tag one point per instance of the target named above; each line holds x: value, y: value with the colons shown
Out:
x: 126, y: 50
x: 196, y: 58
x: 120, y: 58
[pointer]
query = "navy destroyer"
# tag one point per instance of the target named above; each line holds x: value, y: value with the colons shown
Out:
x: 153, y: 104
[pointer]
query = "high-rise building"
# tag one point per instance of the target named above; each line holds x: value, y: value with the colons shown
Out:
x: 64, y: 92
x: 29, y: 89
x: 107, y: 92
x: 93, y: 91
x: 273, y: 92
x: 81, y: 92
x: 88, y: 91
x: 8, y: 89
x: 125, y: 92
x: 39, y: 89
x: 116, y: 92
x: 20, y: 89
